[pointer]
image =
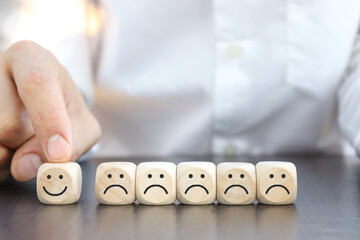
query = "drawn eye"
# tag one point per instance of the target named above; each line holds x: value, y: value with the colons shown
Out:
x: 242, y: 175
x: 271, y: 175
x: 161, y: 175
x: 190, y: 175
x: 230, y: 175
x: 121, y: 175
x: 149, y: 176
x: 283, y: 176
x: 202, y: 175
x: 48, y: 176
x: 109, y: 175
x: 61, y: 176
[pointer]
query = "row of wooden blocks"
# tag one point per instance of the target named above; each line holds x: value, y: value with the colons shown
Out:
x: 160, y: 183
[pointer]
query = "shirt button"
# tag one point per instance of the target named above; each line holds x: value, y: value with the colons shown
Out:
x: 233, y: 51
x: 230, y: 150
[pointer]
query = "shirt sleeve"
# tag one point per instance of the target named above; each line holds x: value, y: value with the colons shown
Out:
x: 59, y: 26
x: 349, y: 99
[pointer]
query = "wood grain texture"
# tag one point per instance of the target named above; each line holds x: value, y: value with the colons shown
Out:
x: 236, y: 183
x: 156, y: 183
x: 196, y: 183
x: 59, y: 183
x: 276, y: 182
x: 115, y: 183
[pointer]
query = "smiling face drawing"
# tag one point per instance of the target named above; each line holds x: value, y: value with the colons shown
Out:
x: 196, y: 183
x: 59, y: 183
x: 156, y: 183
x: 55, y: 183
x: 277, y: 184
x: 115, y: 183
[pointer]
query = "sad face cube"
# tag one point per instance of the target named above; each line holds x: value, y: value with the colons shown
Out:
x: 115, y: 183
x: 276, y: 182
x: 196, y: 183
x: 156, y: 183
x: 236, y: 183
x: 59, y: 183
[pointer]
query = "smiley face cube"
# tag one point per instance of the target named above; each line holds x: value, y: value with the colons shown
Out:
x: 236, y: 183
x: 59, y: 183
x: 276, y: 183
x: 156, y: 183
x: 115, y: 183
x: 196, y: 183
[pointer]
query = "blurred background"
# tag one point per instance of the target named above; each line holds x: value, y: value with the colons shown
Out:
x: 196, y: 78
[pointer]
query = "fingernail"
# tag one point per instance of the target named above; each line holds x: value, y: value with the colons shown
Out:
x: 27, y: 166
x: 57, y: 147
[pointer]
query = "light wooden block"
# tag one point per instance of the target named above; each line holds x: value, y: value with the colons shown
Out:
x: 196, y: 183
x: 115, y: 183
x: 59, y: 183
x: 156, y: 183
x: 236, y: 183
x: 276, y: 183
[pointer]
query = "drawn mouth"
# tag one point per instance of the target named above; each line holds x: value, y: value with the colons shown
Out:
x: 196, y: 185
x: 155, y: 185
x: 116, y: 185
x: 236, y: 185
x: 54, y: 194
x: 277, y: 185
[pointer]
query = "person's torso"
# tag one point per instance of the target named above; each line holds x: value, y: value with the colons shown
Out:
x: 200, y: 77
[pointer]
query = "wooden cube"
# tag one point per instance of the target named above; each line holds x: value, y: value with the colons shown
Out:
x: 156, y: 183
x: 276, y: 182
x: 236, y: 183
x: 59, y: 183
x: 196, y: 183
x: 115, y: 183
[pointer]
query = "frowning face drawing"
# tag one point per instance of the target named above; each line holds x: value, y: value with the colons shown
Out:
x: 236, y: 183
x: 115, y: 183
x: 196, y: 182
x: 156, y: 183
x: 236, y: 186
x: 276, y: 182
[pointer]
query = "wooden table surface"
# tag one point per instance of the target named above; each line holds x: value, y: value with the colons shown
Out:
x: 328, y: 207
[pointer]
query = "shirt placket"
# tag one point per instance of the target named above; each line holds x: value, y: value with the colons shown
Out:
x: 231, y: 85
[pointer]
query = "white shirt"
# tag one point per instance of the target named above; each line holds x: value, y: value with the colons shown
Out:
x: 200, y: 77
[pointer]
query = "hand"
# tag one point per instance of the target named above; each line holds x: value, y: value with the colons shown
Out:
x: 43, y: 117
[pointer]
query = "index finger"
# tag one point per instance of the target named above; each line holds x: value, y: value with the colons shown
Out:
x: 39, y: 81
